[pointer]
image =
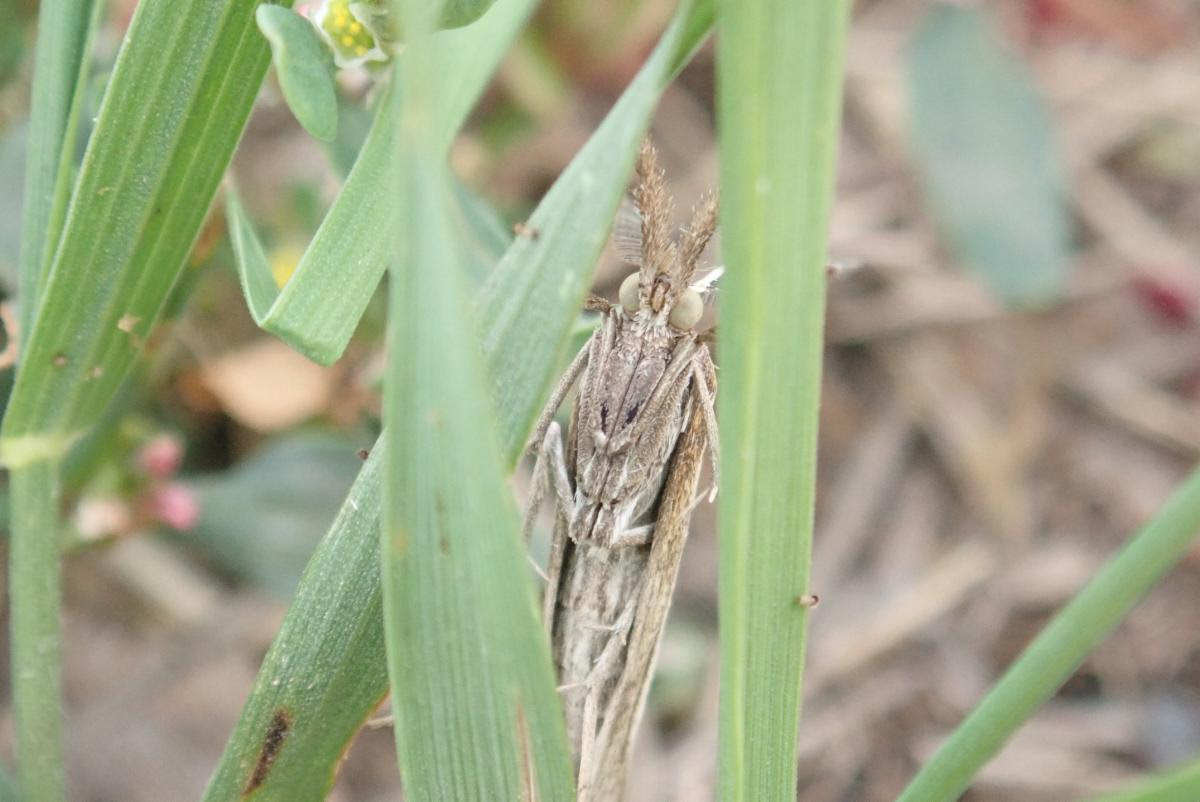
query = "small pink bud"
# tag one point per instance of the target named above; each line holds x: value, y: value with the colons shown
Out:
x: 161, y: 457
x: 176, y: 506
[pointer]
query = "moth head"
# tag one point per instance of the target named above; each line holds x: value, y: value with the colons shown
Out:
x: 685, y: 308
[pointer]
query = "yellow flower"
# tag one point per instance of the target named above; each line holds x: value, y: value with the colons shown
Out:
x: 346, y: 27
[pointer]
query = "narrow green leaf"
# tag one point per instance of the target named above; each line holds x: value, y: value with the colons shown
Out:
x: 984, y: 143
x: 319, y: 308
x: 1178, y: 784
x: 304, y: 67
x: 473, y: 691
x: 333, y: 571
x: 1059, y: 649
x: 484, y: 234
x: 325, y: 672
x: 779, y: 70
x: 176, y: 105
x: 64, y: 33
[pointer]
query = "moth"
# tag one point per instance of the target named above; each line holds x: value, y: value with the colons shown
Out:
x: 624, y: 478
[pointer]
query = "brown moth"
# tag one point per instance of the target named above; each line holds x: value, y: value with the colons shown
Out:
x: 623, y: 481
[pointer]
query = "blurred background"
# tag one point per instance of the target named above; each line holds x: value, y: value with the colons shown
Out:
x: 1011, y: 388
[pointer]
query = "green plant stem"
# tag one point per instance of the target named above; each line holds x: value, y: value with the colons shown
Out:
x: 1176, y: 784
x: 34, y: 600
x: 1061, y: 647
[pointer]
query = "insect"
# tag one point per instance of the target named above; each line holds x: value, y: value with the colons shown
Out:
x: 623, y: 480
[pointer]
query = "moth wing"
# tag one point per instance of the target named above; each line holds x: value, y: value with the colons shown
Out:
x: 627, y: 233
x: 670, y: 532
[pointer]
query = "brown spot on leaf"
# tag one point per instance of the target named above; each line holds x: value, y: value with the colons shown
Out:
x: 439, y: 508
x: 60, y: 360
x: 808, y: 600
x: 127, y: 322
x: 363, y: 453
x: 277, y: 732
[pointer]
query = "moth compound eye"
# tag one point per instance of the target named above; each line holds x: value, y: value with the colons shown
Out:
x: 687, y: 310
x: 628, y: 294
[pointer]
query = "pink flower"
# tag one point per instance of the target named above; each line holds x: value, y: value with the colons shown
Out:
x: 176, y: 506
x: 160, y: 458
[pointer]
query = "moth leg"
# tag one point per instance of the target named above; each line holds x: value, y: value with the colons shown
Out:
x: 549, y: 473
x: 592, y: 728
x: 556, y: 398
x: 704, y: 374
x: 634, y: 536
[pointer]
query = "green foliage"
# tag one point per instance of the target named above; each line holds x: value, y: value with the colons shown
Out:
x: 304, y: 67
x: 324, y: 673
x: 64, y: 33
x: 179, y: 97
x: 332, y: 577
x: 779, y: 73
x: 984, y: 143
x: 180, y: 94
x: 1178, y: 784
x: 317, y: 311
x: 1059, y: 649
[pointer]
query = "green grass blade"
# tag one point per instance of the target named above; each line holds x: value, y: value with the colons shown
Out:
x: 1178, y: 784
x: 319, y: 308
x: 64, y: 31
x: 36, y: 651
x: 572, y: 222
x: 779, y: 88
x: 477, y: 713
x: 304, y: 67
x: 178, y: 99
x: 1059, y: 649
x: 325, y: 672
x: 176, y: 105
x: 334, y: 571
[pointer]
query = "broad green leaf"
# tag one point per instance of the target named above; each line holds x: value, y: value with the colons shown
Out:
x: 1061, y: 646
x: 304, y: 67
x: 361, y: 666
x: 984, y: 145
x: 317, y: 311
x: 325, y: 672
x: 64, y: 34
x: 262, y: 519
x: 1177, y: 784
x: 180, y: 93
x: 473, y: 690
x: 779, y: 73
